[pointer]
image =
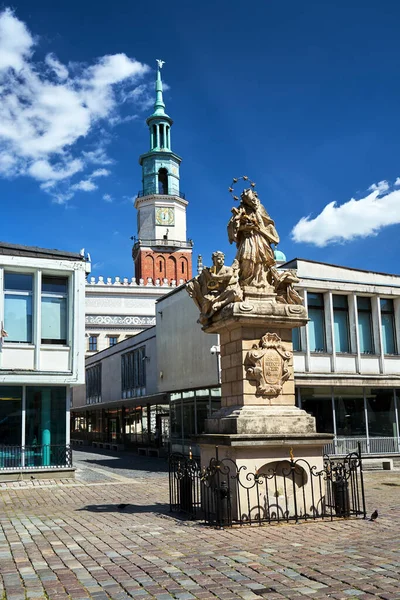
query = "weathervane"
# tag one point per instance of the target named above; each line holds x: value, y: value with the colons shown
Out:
x: 160, y: 63
x: 235, y: 180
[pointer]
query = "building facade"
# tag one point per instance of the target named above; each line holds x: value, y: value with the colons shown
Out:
x: 42, y: 314
x: 347, y: 366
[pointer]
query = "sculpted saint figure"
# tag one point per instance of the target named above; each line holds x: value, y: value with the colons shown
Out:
x: 215, y: 287
x: 253, y: 231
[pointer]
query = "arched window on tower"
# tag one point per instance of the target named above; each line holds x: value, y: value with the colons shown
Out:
x: 163, y: 181
x: 154, y: 136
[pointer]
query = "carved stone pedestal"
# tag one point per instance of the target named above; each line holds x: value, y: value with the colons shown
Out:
x: 258, y: 427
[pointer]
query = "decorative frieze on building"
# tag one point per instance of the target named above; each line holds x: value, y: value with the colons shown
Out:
x: 120, y: 320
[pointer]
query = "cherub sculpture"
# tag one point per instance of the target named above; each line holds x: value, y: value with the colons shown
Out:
x: 215, y: 287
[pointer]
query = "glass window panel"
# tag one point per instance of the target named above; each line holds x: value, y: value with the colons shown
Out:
x: 56, y: 285
x: 296, y: 339
x: 387, y: 305
x: 350, y: 415
x: 54, y: 320
x: 315, y: 299
x: 188, y: 418
x: 365, y: 333
x: 318, y: 403
x: 18, y: 281
x: 341, y: 330
x: 202, y: 408
x: 381, y: 414
x: 18, y: 318
x: 340, y: 301
x: 176, y: 420
x: 45, y: 425
x: 10, y: 419
x: 316, y: 330
x: 388, y: 338
x: 364, y: 303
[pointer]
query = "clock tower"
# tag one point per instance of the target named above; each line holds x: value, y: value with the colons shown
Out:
x: 161, y: 250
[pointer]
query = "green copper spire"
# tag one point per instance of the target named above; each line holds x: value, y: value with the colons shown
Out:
x: 160, y: 165
x: 159, y: 106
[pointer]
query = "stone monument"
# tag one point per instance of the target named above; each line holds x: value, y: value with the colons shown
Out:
x: 254, y: 307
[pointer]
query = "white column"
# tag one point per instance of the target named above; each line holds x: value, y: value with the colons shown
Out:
x: 37, y: 317
x: 353, y: 317
x: 366, y: 418
x: 68, y: 416
x: 329, y: 326
x: 23, y: 425
x: 305, y: 339
x: 376, y: 315
x: 396, y: 416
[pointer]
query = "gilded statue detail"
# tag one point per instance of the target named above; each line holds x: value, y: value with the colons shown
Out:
x: 254, y: 269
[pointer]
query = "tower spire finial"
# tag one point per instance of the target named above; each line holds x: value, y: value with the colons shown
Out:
x: 159, y: 106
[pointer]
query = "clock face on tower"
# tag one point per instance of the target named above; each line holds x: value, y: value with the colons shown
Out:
x: 165, y: 215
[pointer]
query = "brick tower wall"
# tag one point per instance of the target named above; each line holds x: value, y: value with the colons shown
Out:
x: 163, y: 265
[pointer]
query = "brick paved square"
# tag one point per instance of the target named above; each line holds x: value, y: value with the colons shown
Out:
x: 69, y: 541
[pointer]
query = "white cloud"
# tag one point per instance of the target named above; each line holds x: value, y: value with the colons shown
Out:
x: 44, y: 171
x: 101, y: 173
x: 397, y: 182
x: 45, y: 108
x: 353, y: 219
x: 381, y: 186
x: 107, y: 198
x: 59, y: 69
x: 86, y: 185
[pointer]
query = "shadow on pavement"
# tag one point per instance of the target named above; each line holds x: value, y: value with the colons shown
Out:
x: 120, y: 460
x: 129, y: 508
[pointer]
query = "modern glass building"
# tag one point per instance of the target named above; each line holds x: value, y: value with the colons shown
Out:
x: 41, y: 355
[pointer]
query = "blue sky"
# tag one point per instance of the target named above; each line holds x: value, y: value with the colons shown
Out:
x: 303, y: 98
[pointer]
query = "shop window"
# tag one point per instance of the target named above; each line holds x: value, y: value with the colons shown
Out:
x: 133, y: 372
x: 93, y: 343
x: 365, y: 335
x: 388, y: 326
x: 341, y: 323
x: 45, y: 426
x: 93, y: 384
x: 381, y: 412
x: 10, y: 417
x: 318, y: 402
x: 316, y: 325
x: 54, y: 310
x: 350, y: 414
x: 18, y: 307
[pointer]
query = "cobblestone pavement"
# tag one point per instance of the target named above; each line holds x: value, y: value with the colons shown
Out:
x: 68, y: 541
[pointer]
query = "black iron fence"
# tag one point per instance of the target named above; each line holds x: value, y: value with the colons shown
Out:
x: 30, y: 457
x: 225, y: 494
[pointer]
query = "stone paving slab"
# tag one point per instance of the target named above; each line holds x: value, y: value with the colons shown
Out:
x: 68, y: 541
